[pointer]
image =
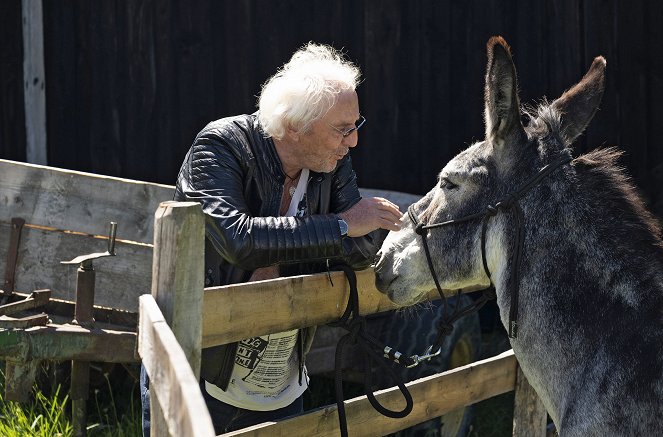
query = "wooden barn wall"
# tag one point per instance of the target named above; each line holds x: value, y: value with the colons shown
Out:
x: 12, y: 120
x: 130, y: 83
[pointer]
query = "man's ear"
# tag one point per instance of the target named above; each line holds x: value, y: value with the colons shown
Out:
x: 292, y: 134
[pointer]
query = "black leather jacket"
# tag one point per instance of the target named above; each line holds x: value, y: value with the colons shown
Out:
x: 234, y: 172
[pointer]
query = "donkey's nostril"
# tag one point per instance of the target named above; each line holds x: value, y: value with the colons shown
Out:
x: 383, y: 280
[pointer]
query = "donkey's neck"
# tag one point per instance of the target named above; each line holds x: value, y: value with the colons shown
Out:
x: 575, y: 282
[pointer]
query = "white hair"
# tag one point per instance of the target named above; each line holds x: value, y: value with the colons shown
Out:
x: 304, y: 89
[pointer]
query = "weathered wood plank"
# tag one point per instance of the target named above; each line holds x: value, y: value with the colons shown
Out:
x: 177, y: 287
x: 433, y: 396
x: 34, y: 78
x: 67, y: 342
x: 265, y: 307
x: 119, y: 279
x: 172, y: 382
x: 529, y: 414
x: 178, y: 273
x: 82, y: 202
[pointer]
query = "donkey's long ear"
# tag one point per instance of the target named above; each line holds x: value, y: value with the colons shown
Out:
x: 579, y: 103
x: 502, y: 111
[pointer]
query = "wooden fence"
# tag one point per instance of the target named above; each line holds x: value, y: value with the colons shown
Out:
x: 65, y: 211
x: 171, y: 330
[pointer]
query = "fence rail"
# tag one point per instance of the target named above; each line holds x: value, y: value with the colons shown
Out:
x: 231, y: 313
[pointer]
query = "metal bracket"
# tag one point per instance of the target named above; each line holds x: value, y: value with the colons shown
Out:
x: 12, y: 257
x: 86, y: 260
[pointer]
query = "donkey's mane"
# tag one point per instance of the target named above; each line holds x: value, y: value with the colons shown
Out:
x: 600, y: 173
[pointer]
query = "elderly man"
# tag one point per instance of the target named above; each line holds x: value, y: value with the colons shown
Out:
x: 280, y: 198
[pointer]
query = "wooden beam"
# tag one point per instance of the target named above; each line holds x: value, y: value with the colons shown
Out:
x: 78, y: 201
x: 529, y: 414
x: 172, y: 381
x: 67, y: 342
x: 433, y: 396
x: 235, y: 312
x: 34, y: 78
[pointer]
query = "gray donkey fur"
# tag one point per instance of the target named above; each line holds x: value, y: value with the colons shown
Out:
x: 590, y: 323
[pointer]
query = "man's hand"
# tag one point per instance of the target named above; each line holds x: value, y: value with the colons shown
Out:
x: 264, y: 273
x: 372, y: 213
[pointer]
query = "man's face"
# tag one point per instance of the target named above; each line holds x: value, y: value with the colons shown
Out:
x: 322, y: 146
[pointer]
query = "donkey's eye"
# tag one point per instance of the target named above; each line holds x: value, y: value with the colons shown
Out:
x: 446, y: 183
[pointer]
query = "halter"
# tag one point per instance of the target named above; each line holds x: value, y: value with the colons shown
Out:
x: 508, y: 203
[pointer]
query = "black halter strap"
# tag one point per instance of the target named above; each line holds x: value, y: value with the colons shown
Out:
x: 508, y: 204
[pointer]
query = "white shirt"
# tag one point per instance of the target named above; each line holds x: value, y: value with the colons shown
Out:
x: 265, y: 376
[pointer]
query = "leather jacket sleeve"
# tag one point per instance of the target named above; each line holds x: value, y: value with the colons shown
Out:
x: 217, y: 173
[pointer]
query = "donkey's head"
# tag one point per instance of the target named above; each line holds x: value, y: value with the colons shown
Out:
x: 482, y: 175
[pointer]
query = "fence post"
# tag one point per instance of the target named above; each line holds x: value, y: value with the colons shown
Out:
x: 34, y: 87
x: 529, y: 414
x: 178, y: 282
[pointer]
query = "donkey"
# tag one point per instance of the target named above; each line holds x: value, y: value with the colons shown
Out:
x: 575, y: 258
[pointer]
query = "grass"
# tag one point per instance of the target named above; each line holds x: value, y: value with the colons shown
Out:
x: 113, y: 411
x: 42, y: 417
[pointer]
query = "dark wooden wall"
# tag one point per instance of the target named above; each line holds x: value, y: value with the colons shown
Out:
x: 130, y: 83
x: 12, y: 121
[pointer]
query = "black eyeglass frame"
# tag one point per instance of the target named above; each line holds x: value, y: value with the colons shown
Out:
x: 347, y: 132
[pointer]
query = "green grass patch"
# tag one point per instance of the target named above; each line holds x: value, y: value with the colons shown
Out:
x: 113, y: 410
x: 43, y: 417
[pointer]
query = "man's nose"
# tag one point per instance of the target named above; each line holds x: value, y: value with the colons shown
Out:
x: 351, y: 140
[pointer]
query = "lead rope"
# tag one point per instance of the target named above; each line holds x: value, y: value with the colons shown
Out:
x: 376, y: 352
x: 354, y: 324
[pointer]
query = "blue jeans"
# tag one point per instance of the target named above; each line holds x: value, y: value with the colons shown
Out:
x: 225, y: 417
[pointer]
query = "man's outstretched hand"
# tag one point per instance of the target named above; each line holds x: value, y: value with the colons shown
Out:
x: 372, y: 213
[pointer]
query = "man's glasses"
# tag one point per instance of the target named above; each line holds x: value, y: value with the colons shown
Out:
x: 347, y: 132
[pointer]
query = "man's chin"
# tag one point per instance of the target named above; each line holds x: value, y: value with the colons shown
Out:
x: 326, y: 168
